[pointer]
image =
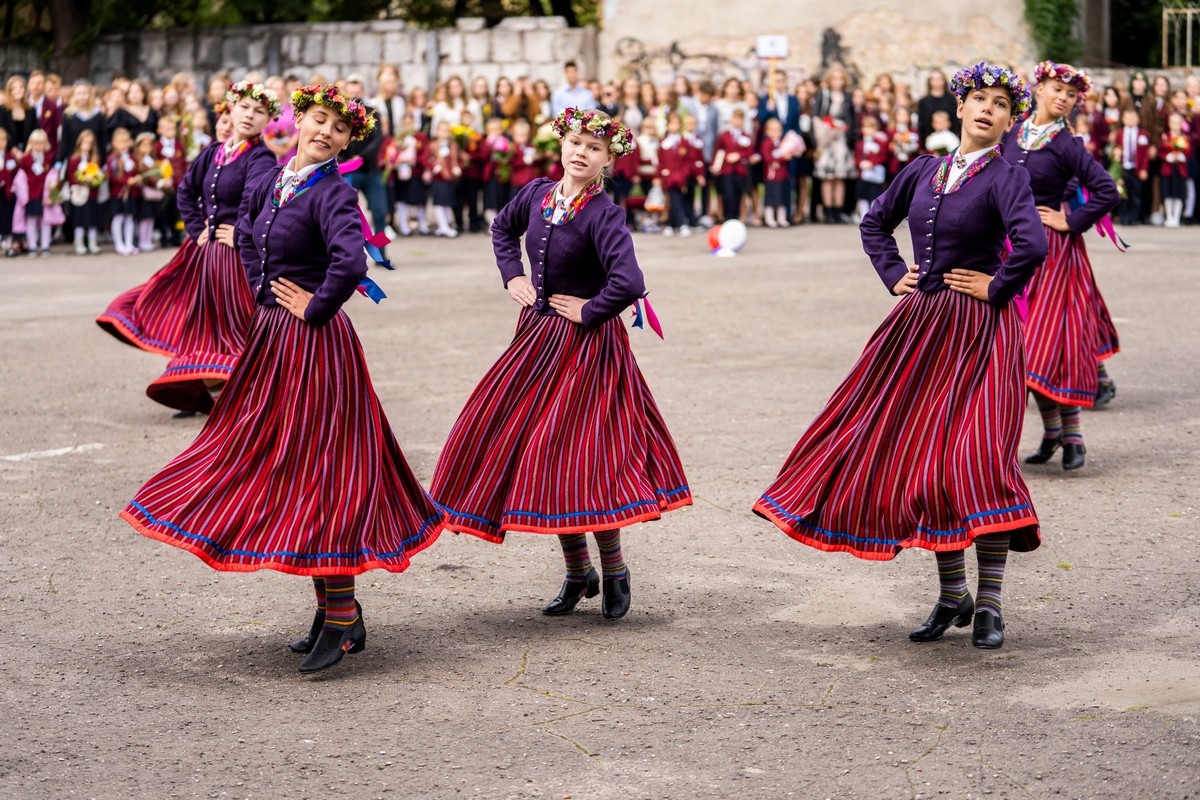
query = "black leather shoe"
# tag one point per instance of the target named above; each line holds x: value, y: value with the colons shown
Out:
x: 942, y: 618
x: 1045, y: 450
x: 1073, y: 455
x: 305, y: 644
x: 332, y: 645
x: 989, y: 631
x: 571, y: 593
x: 183, y: 415
x: 615, y: 603
x: 1104, y: 395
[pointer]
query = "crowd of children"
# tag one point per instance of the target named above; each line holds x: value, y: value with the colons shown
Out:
x: 102, y: 162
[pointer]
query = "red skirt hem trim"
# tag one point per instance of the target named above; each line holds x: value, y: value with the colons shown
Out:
x: 1061, y: 399
x: 914, y: 542
x: 498, y: 538
x: 313, y: 572
x: 124, y: 333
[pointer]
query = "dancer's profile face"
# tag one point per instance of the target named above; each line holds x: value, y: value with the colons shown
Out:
x: 323, y: 133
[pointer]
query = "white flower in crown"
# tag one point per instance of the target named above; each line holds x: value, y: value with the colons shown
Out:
x: 576, y: 127
x: 989, y: 79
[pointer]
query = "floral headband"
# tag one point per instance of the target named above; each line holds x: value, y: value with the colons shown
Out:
x: 220, y: 107
x: 1065, y: 73
x: 984, y: 75
x: 597, y: 123
x: 362, y: 121
x: 256, y: 91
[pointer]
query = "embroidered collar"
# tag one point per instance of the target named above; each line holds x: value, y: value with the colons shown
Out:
x: 576, y: 205
x: 229, y: 152
x: 1033, y: 137
x: 289, y: 179
x: 941, y: 177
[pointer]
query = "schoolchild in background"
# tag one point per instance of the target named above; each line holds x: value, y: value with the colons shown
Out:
x: 85, y: 175
x: 776, y: 180
x: 871, y: 154
x: 443, y: 166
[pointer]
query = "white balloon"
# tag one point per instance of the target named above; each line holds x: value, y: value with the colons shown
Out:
x: 733, y: 235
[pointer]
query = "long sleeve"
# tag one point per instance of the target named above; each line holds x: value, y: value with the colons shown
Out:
x: 190, y: 198
x: 1026, y: 233
x: 1103, y: 194
x: 340, y: 228
x: 243, y: 236
x: 508, y: 228
x: 880, y: 223
x: 625, y: 282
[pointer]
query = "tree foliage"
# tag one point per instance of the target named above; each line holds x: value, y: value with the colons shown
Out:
x: 1051, y: 24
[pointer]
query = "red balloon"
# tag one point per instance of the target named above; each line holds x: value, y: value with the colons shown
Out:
x: 714, y: 237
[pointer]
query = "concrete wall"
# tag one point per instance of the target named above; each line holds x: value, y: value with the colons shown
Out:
x: 534, y: 46
x: 903, y: 38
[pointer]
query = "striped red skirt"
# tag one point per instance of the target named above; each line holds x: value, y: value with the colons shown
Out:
x: 297, y: 469
x: 562, y: 435
x: 214, y: 332
x: 918, y: 446
x: 150, y: 316
x: 1068, y: 330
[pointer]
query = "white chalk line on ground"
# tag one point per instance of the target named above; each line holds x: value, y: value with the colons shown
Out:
x: 59, y: 451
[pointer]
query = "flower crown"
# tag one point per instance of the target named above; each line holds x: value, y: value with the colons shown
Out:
x: 984, y: 75
x: 257, y: 91
x: 1065, y: 73
x: 221, y: 107
x: 362, y: 121
x: 597, y: 123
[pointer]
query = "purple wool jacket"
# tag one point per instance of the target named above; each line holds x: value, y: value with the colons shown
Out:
x: 962, y: 229
x: 211, y: 194
x: 1055, y: 169
x: 315, y: 241
x: 590, y: 257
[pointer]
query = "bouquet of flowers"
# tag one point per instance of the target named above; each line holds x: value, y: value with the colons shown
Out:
x: 90, y: 175
x: 547, y: 142
x: 466, y: 136
x: 55, y: 187
x: 500, y: 153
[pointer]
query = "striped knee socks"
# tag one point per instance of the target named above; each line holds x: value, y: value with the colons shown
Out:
x: 1102, y: 371
x: 575, y: 554
x: 952, y: 575
x: 340, y: 611
x: 992, y: 552
x: 1072, y: 432
x: 611, y: 560
x: 1051, y: 418
x: 319, y: 588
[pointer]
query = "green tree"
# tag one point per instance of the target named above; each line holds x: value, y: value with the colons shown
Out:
x: 1051, y: 23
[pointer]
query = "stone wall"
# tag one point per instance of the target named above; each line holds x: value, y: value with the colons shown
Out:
x: 905, y: 39
x: 19, y: 58
x: 534, y: 46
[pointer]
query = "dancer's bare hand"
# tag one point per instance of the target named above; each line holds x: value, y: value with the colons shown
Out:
x: 291, y: 296
x: 907, y: 284
x: 568, y: 306
x: 203, y: 237
x: 521, y: 290
x: 1054, y: 219
x: 969, y: 282
x: 225, y: 234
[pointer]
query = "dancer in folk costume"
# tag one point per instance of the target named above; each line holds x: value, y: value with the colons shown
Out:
x: 215, y: 329
x: 562, y: 435
x: 918, y: 446
x: 1064, y: 324
x: 297, y: 469
x: 150, y: 316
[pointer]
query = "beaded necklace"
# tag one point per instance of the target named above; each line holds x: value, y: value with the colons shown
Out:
x: 582, y: 199
x: 1027, y: 140
x: 224, y: 156
x: 277, y: 198
x: 943, y: 173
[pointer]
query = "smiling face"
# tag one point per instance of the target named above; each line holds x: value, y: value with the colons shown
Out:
x: 323, y: 134
x: 1055, y: 98
x: 584, y: 156
x: 249, y: 118
x: 986, y: 114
